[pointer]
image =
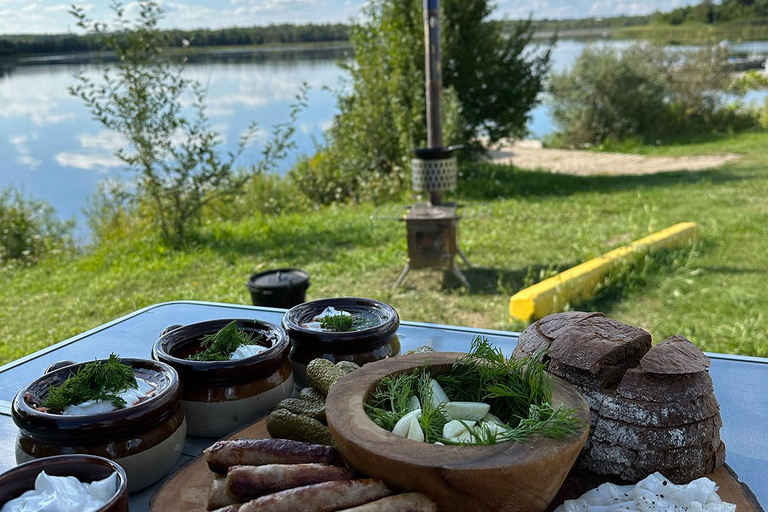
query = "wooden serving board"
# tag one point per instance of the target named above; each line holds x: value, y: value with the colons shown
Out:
x: 187, y: 489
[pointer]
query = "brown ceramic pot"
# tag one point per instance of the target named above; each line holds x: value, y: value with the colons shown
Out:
x: 85, y: 468
x: 145, y: 439
x: 221, y: 396
x: 363, y: 346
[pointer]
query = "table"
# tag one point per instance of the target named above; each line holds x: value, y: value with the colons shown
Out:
x: 741, y: 383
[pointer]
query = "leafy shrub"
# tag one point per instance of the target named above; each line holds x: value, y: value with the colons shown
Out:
x: 645, y: 92
x: 29, y: 229
x: 490, y: 84
x: 171, y: 148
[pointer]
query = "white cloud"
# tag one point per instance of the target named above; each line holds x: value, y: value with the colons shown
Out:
x: 99, y: 151
x: 88, y: 162
x: 105, y: 139
x: 24, y: 155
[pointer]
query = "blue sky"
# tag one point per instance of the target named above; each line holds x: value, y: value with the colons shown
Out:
x: 40, y: 16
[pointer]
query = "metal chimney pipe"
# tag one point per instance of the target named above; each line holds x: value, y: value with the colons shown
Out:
x: 434, y: 81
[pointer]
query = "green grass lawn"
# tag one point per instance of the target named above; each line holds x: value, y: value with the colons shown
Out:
x: 717, y: 295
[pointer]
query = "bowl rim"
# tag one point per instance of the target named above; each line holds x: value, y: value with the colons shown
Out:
x: 44, y: 423
x: 77, y: 458
x: 160, y: 352
x: 291, y: 320
x: 340, y: 404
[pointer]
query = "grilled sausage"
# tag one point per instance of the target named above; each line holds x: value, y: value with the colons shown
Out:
x: 324, y: 497
x: 408, y: 502
x: 218, y: 498
x: 248, y: 482
x: 256, y: 452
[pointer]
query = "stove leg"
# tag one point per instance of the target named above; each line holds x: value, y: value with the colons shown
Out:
x: 464, y: 257
x: 459, y: 275
x: 402, y: 276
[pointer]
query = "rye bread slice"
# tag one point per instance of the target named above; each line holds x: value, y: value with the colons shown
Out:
x: 675, y: 356
x: 655, y: 414
x: 638, y: 385
x: 685, y: 463
x: 552, y: 326
x: 605, y: 377
x: 655, y: 438
x: 595, y: 343
x: 530, y: 342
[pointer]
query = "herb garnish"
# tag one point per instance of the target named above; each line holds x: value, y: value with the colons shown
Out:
x: 99, y: 380
x: 337, y: 323
x: 518, y: 390
x: 220, y: 346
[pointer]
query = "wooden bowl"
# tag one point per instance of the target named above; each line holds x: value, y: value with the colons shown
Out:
x: 504, y: 477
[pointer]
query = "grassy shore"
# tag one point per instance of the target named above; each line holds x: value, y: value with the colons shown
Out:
x: 716, y: 294
x: 694, y: 33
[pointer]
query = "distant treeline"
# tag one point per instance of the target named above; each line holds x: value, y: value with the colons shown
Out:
x: 746, y: 11
x: 547, y: 25
x: 272, y: 34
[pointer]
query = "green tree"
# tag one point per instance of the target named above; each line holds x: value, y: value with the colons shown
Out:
x: 29, y: 229
x: 645, y: 92
x: 172, y: 150
x: 491, y: 82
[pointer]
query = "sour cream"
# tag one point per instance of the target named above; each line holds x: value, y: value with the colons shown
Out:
x: 64, y: 494
x: 244, y: 351
x: 329, y: 311
x: 131, y: 397
x: 653, y: 494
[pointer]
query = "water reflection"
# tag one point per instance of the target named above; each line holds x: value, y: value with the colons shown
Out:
x: 51, y: 146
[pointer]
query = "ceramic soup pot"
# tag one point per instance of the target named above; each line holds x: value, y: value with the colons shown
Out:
x: 86, y: 468
x: 373, y: 335
x: 146, y: 439
x: 222, y: 396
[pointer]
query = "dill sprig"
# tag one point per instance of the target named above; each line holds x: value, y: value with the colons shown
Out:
x: 433, y: 418
x: 337, y: 323
x: 509, y: 386
x: 542, y: 420
x: 99, y: 380
x: 389, y: 401
x: 221, y: 345
x: 519, y: 392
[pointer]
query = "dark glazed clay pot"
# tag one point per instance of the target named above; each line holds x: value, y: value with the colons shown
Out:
x: 363, y: 346
x: 221, y: 396
x: 145, y: 439
x: 85, y: 468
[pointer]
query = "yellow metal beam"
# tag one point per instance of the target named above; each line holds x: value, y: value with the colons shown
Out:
x: 579, y: 283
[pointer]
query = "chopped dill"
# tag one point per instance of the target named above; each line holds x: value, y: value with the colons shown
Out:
x: 221, y: 345
x: 337, y: 323
x: 519, y: 392
x: 98, y: 380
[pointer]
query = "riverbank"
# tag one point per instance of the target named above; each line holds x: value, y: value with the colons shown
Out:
x: 717, y: 294
x: 694, y: 33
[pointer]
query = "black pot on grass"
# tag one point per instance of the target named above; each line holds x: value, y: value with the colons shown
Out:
x: 280, y: 288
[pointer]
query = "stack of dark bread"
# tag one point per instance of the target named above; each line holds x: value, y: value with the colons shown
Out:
x: 652, y: 408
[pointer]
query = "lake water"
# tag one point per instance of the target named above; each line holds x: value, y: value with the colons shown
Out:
x: 51, y: 147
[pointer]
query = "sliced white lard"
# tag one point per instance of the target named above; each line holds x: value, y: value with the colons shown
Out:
x: 653, y: 494
x: 472, y: 411
x: 404, y: 424
x: 64, y: 494
x: 438, y: 393
x: 131, y: 397
x: 455, y: 427
x: 244, y: 351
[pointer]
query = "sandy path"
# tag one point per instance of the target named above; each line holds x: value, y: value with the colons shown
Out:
x: 530, y: 155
